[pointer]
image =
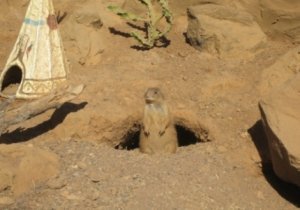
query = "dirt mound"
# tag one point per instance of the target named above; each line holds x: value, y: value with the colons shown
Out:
x: 25, y: 166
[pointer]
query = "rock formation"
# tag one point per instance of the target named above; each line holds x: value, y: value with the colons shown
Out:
x: 285, y: 68
x: 281, y: 117
x: 224, y: 30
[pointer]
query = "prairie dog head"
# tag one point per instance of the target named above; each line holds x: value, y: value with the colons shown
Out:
x: 154, y: 96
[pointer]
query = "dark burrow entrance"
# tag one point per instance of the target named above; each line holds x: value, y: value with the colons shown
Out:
x: 185, y: 136
x: 11, y: 81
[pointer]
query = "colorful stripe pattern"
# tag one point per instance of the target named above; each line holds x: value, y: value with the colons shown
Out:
x: 29, y: 21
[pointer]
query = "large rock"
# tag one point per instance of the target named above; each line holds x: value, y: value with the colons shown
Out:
x: 276, y: 17
x: 281, y: 117
x: 81, y: 31
x: 227, y: 31
x: 282, y: 17
x: 285, y: 68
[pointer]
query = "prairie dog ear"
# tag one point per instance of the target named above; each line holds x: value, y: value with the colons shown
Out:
x: 159, y: 93
x: 146, y: 93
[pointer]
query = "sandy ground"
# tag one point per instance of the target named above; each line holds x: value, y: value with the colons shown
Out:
x: 230, y: 172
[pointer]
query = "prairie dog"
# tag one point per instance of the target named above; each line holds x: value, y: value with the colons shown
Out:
x: 158, y: 134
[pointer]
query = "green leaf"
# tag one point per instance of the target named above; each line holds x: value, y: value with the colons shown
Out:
x: 151, y: 21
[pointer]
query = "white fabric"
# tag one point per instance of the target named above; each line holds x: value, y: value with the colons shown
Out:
x: 38, y: 52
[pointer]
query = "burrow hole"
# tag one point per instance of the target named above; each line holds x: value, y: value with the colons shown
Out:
x: 11, y: 81
x: 185, y: 136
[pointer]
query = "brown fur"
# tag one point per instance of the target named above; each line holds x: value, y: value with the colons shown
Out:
x: 158, y: 134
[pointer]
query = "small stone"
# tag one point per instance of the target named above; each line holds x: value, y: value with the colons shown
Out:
x: 135, y: 176
x: 69, y: 196
x: 82, y: 61
x: 66, y: 138
x: 126, y: 177
x: 260, y: 195
x: 255, y: 158
x: 95, y: 195
x: 260, y: 164
x: 74, y: 166
x: 181, y: 106
x: 5, y: 181
x: 222, y: 149
x: 94, y: 176
x: 97, y: 23
x: 209, y: 149
x: 183, y: 55
x: 244, y: 134
x: 57, y: 183
x: 82, y: 165
x: 6, y: 201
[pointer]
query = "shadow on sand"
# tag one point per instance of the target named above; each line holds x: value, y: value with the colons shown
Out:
x: 58, y: 116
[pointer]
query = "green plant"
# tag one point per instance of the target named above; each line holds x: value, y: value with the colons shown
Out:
x: 152, y: 19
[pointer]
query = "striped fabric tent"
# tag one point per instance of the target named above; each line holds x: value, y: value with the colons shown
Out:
x: 37, y: 62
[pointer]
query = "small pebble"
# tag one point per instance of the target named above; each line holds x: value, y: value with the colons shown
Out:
x: 6, y: 200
